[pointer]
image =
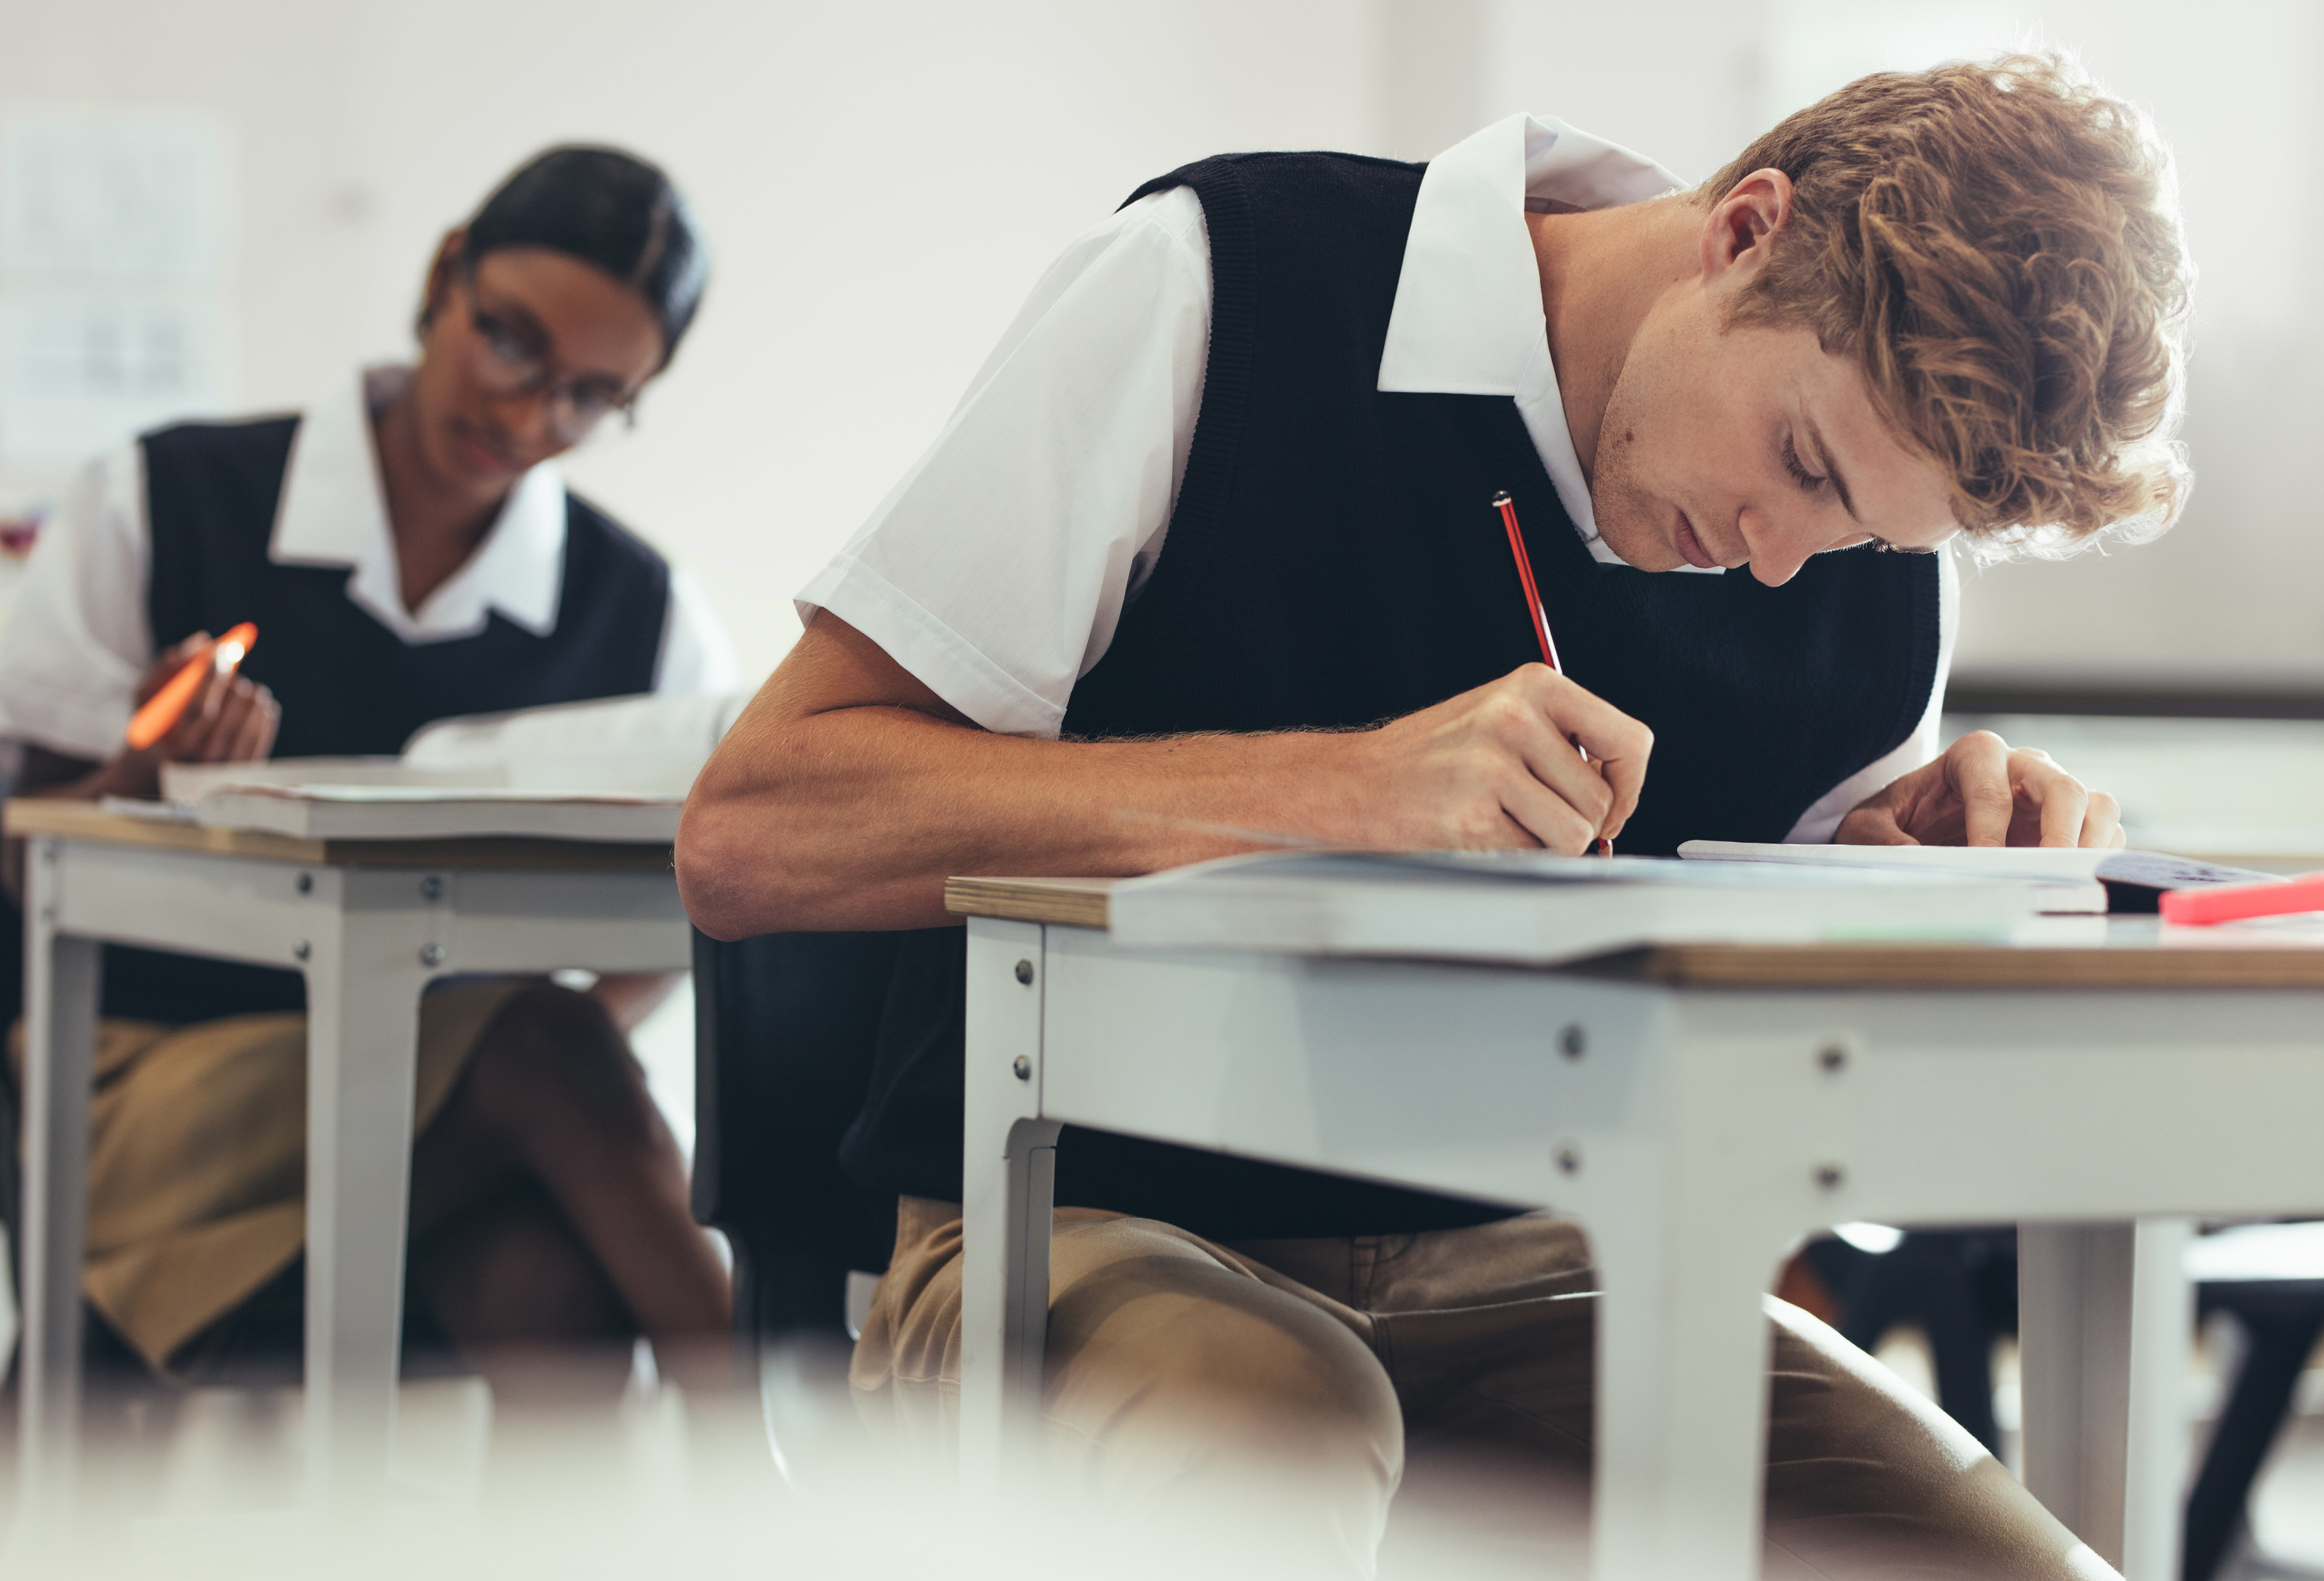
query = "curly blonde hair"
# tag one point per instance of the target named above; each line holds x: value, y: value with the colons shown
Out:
x: 1998, y: 245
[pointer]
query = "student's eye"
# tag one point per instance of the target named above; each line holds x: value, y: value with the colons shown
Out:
x: 1806, y: 480
x: 502, y: 342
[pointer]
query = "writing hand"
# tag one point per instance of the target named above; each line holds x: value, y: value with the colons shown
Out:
x: 1502, y: 766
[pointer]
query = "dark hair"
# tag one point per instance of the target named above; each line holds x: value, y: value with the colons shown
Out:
x: 610, y: 209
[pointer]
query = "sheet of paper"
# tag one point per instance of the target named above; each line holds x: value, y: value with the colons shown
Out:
x: 2036, y: 864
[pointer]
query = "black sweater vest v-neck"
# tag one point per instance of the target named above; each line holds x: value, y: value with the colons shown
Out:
x: 349, y: 686
x: 1334, y: 561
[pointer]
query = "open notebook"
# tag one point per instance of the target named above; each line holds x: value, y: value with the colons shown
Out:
x: 439, y: 812
x: 1536, y: 907
x: 614, y: 770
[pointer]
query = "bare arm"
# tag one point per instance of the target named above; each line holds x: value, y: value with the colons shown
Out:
x: 848, y: 792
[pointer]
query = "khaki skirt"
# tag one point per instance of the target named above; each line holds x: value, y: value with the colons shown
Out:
x: 198, y: 1156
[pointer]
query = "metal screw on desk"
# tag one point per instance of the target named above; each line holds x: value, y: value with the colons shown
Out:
x: 1828, y: 1176
x: 1573, y: 1042
x: 1568, y: 1158
x: 1023, y: 1067
x: 431, y: 887
x: 431, y: 955
x: 302, y: 950
x: 1833, y: 1057
x: 1024, y: 971
x: 306, y: 883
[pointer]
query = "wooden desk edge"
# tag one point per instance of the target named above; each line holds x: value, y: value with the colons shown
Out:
x: 1071, y: 903
x: 1081, y: 903
x: 27, y: 816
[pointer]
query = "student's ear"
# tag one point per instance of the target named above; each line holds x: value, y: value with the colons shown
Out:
x: 440, y: 275
x: 1741, y: 224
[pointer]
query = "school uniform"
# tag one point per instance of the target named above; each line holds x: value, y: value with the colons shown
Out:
x: 197, y: 1140
x: 1231, y: 469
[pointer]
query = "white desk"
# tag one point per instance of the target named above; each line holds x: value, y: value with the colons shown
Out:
x: 1698, y: 1109
x: 371, y: 923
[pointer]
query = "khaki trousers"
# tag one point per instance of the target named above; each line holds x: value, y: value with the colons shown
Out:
x: 1301, y: 1375
x: 198, y: 1157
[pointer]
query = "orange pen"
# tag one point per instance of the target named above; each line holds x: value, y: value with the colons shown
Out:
x: 165, y: 708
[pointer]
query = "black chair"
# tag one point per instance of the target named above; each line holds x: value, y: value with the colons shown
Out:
x: 1960, y: 1287
x: 2277, y: 1299
x: 784, y: 1026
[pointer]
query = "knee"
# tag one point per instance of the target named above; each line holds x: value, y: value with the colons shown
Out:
x: 550, y: 1046
x: 1175, y: 1383
x: 1187, y: 1343
x: 514, y: 1274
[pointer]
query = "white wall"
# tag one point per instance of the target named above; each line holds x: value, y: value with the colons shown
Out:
x: 2238, y: 591
x: 882, y: 183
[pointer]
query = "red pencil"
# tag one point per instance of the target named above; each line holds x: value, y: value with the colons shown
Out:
x: 1508, y: 510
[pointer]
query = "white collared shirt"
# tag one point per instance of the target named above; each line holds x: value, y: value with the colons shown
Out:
x: 997, y: 570
x: 78, y: 638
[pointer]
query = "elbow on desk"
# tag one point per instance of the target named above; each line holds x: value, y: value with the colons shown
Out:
x: 744, y: 868
x: 728, y: 889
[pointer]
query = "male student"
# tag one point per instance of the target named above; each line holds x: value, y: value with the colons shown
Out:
x: 1212, y: 538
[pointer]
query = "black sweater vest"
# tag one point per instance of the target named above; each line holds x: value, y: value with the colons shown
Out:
x: 1334, y: 560
x: 348, y: 687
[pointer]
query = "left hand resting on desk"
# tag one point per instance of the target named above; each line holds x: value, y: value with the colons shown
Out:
x: 1980, y: 792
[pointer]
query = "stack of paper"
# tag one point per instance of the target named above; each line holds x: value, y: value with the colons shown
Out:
x: 614, y: 770
x: 414, y: 811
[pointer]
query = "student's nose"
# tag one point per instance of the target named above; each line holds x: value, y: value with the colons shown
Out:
x: 1778, y: 548
x: 531, y: 418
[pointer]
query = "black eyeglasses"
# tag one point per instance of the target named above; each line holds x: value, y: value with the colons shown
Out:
x: 508, y: 362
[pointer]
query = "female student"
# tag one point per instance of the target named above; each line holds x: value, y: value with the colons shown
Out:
x: 407, y: 551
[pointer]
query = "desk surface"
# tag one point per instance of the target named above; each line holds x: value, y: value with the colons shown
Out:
x: 84, y: 820
x: 2134, y: 955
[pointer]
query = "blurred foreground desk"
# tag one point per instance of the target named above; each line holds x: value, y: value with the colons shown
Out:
x: 370, y: 922
x: 1698, y: 1108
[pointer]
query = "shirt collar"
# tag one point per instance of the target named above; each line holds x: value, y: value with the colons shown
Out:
x: 334, y: 512
x: 1467, y: 319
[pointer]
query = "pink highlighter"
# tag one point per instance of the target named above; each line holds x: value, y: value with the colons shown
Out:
x: 2227, y: 903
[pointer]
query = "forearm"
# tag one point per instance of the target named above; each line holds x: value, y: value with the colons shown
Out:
x: 854, y: 818
x: 49, y: 776
x: 78, y: 780
x: 848, y: 792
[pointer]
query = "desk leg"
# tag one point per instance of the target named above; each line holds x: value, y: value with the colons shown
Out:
x: 2161, y: 1437
x: 364, y: 983
x: 1682, y: 1406
x: 61, y: 993
x: 1009, y: 1171
x: 2105, y: 1320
